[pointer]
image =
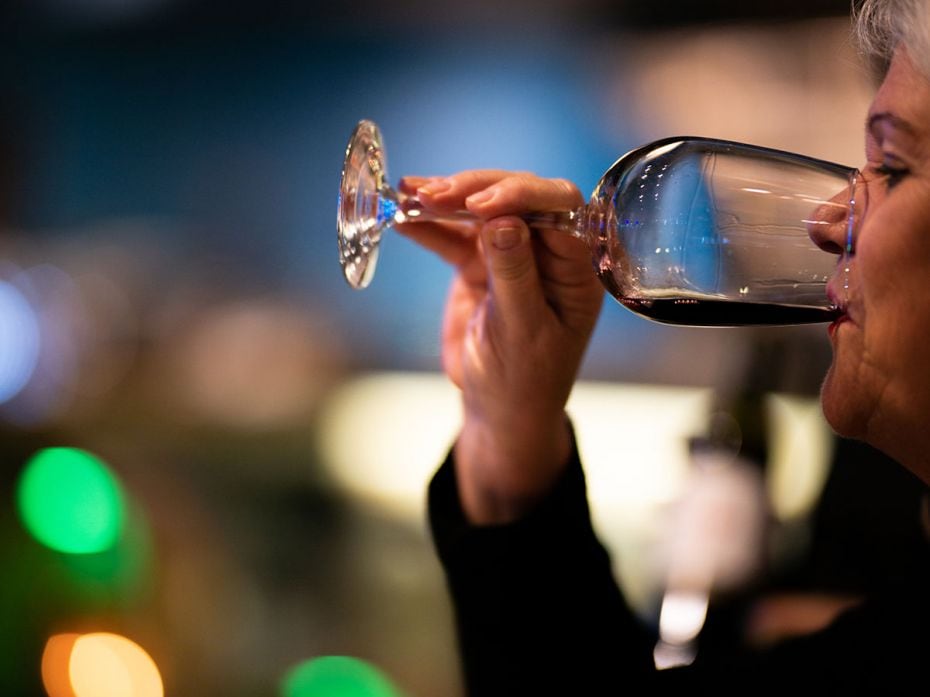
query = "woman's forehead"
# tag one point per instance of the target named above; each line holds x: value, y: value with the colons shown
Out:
x: 903, y: 99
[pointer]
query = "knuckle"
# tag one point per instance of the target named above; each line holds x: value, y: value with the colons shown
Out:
x: 528, y: 187
x: 518, y: 186
x: 466, y: 178
x: 567, y: 188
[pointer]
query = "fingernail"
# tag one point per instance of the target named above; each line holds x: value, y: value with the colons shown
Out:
x: 507, y: 237
x: 440, y: 186
x: 410, y: 182
x: 480, y: 197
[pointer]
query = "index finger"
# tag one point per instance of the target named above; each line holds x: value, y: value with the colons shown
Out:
x: 448, y: 194
x: 491, y: 193
x: 524, y: 193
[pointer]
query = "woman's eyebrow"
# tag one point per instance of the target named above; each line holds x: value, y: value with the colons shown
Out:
x: 895, y: 121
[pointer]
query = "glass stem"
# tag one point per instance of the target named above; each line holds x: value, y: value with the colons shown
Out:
x: 409, y: 209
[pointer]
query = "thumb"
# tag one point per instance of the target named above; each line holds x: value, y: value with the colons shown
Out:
x: 514, y: 279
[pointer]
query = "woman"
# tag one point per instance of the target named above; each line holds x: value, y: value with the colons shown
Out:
x: 537, y: 608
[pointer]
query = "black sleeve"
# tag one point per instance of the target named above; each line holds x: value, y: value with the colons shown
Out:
x: 537, y: 608
x: 538, y: 612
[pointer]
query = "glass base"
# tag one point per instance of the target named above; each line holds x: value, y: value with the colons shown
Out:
x: 361, y: 215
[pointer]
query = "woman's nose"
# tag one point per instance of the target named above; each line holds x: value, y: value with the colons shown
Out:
x: 833, y: 223
x: 828, y: 226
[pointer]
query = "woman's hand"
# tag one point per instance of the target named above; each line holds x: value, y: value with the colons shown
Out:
x: 520, y: 312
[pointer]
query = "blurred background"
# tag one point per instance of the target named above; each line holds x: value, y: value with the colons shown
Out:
x: 215, y: 453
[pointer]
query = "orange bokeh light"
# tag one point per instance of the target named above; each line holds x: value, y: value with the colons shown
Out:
x: 98, y: 665
x: 55, y: 665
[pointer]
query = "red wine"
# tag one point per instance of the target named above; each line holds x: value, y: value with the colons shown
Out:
x: 700, y: 312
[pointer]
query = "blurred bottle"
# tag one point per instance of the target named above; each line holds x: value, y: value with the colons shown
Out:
x: 716, y: 542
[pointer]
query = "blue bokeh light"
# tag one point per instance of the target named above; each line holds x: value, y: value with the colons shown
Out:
x: 237, y: 144
x: 19, y: 341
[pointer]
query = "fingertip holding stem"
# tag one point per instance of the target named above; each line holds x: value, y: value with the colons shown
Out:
x: 480, y: 198
x: 410, y: 183
x: 435, y: 187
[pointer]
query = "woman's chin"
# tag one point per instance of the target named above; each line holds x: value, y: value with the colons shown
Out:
x: 839, y: 407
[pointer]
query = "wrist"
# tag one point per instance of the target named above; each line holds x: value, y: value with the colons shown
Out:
x: 505, y: 466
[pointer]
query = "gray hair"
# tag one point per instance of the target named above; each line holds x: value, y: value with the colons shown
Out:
x: 880, y: 25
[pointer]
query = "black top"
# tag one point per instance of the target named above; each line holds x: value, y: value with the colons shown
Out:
x: 539, y: 612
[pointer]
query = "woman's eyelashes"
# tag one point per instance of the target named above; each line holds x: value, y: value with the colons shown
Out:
x: 892, y: 174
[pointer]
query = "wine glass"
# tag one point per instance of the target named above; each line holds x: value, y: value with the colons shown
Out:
x: 684, y: 230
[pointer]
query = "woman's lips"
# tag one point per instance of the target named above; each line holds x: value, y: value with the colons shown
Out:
x: 839, y: 301
x: 834, y: 325
x: 840, y: 306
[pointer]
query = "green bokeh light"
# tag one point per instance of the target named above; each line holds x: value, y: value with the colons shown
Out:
x: 70, y: 501
x: 337, y: 676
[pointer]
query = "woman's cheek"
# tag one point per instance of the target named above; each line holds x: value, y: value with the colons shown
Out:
x: 891, y: 259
